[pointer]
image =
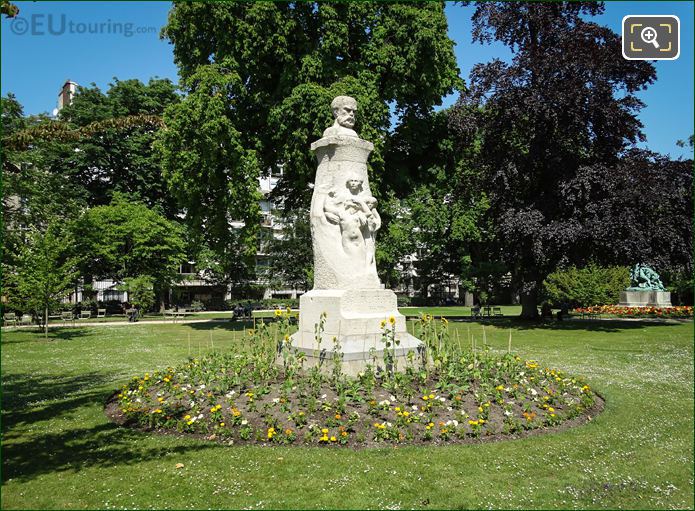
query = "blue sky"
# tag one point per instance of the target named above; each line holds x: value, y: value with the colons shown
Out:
x: 35, y: 66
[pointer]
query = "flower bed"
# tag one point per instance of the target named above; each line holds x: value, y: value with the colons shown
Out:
x: 251, y: 397
x: 639, y: 312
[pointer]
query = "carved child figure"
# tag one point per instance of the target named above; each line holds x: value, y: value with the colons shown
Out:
x: 358, y: 218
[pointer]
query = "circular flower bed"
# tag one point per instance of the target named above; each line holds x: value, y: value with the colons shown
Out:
x: 257, y: 396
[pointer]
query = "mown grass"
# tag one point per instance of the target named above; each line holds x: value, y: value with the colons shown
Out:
x: 59, y: 450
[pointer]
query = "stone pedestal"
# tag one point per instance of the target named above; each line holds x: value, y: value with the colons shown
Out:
x: 353, y: 318
x: 645, y: 299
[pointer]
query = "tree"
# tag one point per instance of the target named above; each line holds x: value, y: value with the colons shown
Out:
x: 119, y: 157
x: 259, y: 79
x: 101, y: 143
x: 439, y: 215
x: 140, y: 291
x: 32, y: 197
x: 638, y: 210
x: 566, y: 100
x: 127, y: 239
x: 45, y: 271
x: 291, y: 256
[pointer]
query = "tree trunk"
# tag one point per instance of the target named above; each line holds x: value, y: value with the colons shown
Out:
x: 45, y: 323
x: 529, y: 303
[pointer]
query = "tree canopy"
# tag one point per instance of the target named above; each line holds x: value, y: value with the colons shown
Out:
x: 566, y: 100
x: 259, y: 79
x: 128, y: 239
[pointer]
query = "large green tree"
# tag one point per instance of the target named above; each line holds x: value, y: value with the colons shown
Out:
x: 118, y: 157
x: 259, y: 78
x: 126, y: 239
x: 101, y: 143
x: 436, y: 208
x: 567, y: 99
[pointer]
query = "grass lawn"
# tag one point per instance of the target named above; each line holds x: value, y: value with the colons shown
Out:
x: 59, y: 451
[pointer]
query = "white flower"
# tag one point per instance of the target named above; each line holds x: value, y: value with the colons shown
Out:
x: 449, y: 408
x: 392, y: 398
x: 244, y: 422
x: 202, y: 386
x: 385, y: 402
x: 533, y: 391
x: 229, y: 394
x: 276, y: 400
x: 200, y: 415
x: 415, y: 408
x: 442, y: 399
x: 323, y: 397
x: 508, y: 413
x: 388, y: 424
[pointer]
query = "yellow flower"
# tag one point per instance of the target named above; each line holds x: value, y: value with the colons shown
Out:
x: 551, y: 409
x: 383, y: 323
x: 480, y: 409
x: 343, y: 434
x: 278, y: 312
x: 425, y: 398
x: 431, y: 396
x: 287, y: 338
x: 324, y: 431
x: 392, y: 320
x: 499, y: 387
x: 333, y: 439
x: 338, y: 416
x: 288, y: 431
x: 221, y: 424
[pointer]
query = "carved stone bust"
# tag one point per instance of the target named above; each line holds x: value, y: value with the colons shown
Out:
x: 344, y: 110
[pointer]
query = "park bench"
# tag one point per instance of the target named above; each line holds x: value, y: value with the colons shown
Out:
x: 10, y: 318
x: 101, y: 313
x: 27, y: 319
x: 67, y: 316
x: 497, y: 312
x: 85, y: 314
x: 476, y: 313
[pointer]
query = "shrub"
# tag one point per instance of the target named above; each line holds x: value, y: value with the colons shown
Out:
x: 583, y: 287
x: 140, y: 291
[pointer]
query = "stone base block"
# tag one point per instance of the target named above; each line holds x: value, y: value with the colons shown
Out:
x: 645, y: 299
x: 351, y: 328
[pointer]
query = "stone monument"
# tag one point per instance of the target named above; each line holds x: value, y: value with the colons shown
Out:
x: 347, y: 298
x: 646, y: 289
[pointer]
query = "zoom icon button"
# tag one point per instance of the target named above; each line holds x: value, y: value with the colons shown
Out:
x: 651, y: 37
